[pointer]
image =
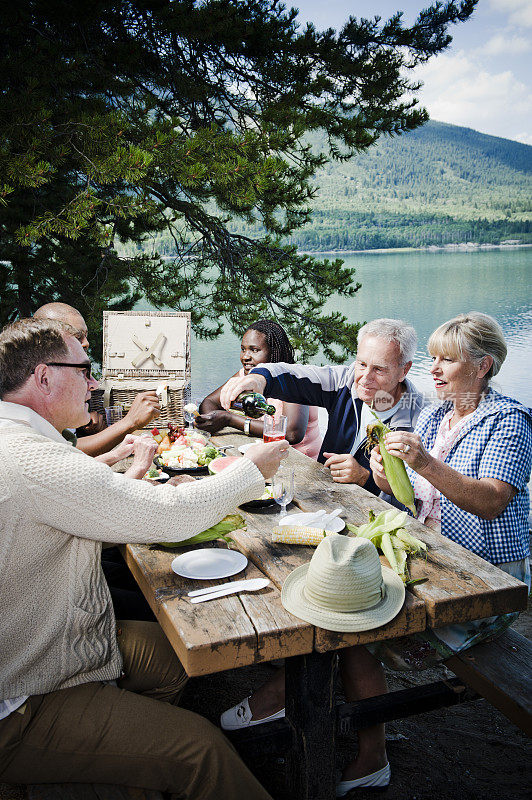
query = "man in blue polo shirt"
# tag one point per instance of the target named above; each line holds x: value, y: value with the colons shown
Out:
x: 376, y: 380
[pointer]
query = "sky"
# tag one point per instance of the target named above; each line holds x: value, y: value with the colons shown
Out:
x: 484, y: 78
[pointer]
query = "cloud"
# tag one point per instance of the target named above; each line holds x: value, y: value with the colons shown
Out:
x: 459, y: 90
x: 505, y: 44
x: 525, y: 138
x: 519, y: 11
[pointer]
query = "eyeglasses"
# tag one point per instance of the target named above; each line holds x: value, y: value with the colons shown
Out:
x: 87, y: 366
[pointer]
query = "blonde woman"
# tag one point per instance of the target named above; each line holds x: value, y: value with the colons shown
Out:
x: 469, y: 456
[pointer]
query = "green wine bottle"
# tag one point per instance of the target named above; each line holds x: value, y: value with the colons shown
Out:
x: 252, y: 404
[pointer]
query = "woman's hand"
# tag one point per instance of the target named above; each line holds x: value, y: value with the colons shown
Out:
x: 409, y: 448
x: 213, y: 421
x: 377, y: 469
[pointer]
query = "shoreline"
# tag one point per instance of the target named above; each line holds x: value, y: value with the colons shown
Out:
x: 463, y: 247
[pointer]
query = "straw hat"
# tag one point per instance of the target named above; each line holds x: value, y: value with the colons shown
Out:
x: 344, y: 587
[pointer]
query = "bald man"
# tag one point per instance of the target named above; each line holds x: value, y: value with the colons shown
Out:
x: 145, y: 406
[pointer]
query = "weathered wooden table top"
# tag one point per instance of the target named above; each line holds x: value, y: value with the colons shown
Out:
x: 245, y: 629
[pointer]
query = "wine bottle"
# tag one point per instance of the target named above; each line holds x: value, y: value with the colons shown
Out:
x: 252, y: 404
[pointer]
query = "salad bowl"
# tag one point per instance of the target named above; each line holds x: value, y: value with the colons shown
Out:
x: 182, y: 452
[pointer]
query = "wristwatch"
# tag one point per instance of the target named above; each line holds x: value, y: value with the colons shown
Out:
x: 247, y: 423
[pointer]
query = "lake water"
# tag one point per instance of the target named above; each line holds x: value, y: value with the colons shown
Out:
x: 425, y: 288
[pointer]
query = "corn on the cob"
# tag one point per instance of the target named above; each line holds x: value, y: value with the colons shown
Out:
x: 393, y: 466
x: 298, y: 535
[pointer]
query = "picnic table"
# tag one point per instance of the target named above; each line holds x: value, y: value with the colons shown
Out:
x: 245, y: 629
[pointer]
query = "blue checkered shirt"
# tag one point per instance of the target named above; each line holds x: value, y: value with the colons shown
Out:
x: 496, y: 442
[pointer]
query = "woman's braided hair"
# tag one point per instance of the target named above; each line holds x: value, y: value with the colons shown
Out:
x: 276, y: 339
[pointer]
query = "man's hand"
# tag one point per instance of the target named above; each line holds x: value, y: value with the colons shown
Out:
x: 122, y: 450
x: 267, y: 457
x: 144, y: 409
x: 213, y: 421
x: 234, y: 386
x: 346, y: 469
x: 144, y: 449
x: 125, y: 448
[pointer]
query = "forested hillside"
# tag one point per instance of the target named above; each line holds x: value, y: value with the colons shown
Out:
x: 439, y: 184
x: 436, y: 185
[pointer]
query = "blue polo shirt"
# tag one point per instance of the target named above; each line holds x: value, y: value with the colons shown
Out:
x: 332, y: 388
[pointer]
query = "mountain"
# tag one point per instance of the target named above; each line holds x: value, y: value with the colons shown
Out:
x: 438, y: 184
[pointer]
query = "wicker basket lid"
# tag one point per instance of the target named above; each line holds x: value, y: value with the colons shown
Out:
x: 149, y: 344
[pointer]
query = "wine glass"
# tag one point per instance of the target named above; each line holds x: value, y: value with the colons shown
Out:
x: 274, y: 430
x: 191, y: 415
x: 283, y: 488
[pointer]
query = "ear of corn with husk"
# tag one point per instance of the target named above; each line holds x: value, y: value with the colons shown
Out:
x: 233, y: 522
x: 387, y: 533
x: 393, y: 467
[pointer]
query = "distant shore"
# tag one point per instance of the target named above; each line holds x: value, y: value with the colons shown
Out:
x: 463, y: 247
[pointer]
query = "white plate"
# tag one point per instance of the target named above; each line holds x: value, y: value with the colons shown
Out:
x: 244, y: 447
x: 209, y: 563
x: 334, y: 525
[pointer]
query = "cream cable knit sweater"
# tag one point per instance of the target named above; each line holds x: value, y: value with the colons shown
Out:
x: 58, y: 627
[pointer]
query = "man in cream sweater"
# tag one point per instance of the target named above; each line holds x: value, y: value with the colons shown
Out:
x: 82, y: 698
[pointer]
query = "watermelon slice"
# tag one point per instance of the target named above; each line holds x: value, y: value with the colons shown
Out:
x: 218, y: 464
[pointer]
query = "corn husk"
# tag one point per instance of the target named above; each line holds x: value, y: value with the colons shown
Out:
x: 387, y: 534
x: 233, y: 522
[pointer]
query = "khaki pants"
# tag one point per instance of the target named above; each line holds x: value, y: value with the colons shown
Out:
x: 97, y: 733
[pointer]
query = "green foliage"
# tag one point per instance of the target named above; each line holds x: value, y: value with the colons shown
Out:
x: 125, y: 120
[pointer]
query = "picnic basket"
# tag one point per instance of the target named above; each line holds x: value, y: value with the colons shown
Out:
x: 142, y: 351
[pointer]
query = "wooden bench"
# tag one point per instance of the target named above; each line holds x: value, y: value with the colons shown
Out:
x: 500, y: 671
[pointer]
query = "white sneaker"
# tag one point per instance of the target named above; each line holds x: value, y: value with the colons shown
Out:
x: 240, y: 716
x: 377, y: 781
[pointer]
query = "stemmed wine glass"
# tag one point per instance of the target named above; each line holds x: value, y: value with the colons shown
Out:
x: 191, y: 415
x: 283, y: 488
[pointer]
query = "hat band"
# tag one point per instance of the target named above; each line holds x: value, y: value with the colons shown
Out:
x: 322, y: 601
